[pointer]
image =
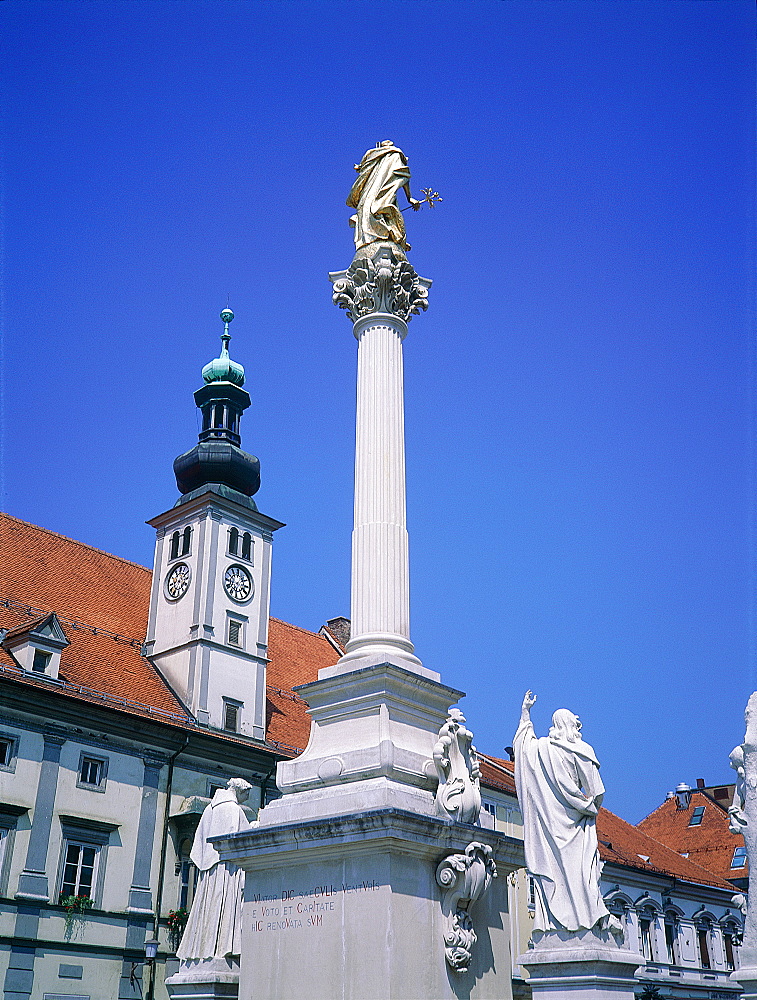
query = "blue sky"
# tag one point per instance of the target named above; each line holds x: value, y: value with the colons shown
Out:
x: 579, y: 396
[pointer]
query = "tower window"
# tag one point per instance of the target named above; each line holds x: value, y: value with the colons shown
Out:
x: 175, y: 538
x: 233, y: 542
x: 41, y: 661
x: 186, y: 540
x: 246, y: 545
x: 206, y: 418
x: 236, y: 632
x: 696, y: 816
x: 231, y: 711
x: 218, y: 416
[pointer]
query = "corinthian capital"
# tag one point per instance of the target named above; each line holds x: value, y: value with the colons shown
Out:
x: 385, y: 282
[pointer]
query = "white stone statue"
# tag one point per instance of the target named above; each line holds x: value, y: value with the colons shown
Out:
x: 560, y: 792
x: 743, y: 819
x: 215, y: 921
x: 381, y: 173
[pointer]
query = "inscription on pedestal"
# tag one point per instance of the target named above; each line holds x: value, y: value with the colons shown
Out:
x: 296, y: 909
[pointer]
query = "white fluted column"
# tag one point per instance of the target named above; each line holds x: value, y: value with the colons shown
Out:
x: 380, y: 293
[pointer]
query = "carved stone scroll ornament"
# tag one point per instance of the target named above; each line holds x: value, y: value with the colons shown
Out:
x: 386, y: 283
x: 465, y: 877
x: 458, y: 795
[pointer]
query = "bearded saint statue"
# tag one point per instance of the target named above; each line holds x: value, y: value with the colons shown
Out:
x: 560, y: 792
x: 381, y: 174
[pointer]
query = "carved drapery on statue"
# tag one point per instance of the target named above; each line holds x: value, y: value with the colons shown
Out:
x: 465, y: 877
x: 386, y: 282
x: 381, y: 173
x: 215, y: 920
x: 458, y: 795
x: 560, y: 792
x: 743, y: 819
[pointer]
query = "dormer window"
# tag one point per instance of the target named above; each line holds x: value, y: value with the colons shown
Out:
x: 37, y: 646
x: 739, y: 858
x: 41, y: 661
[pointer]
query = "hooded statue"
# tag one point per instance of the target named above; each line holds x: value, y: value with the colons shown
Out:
x: 381, y: 173
x: 560, y: 792
x: 215, y: 921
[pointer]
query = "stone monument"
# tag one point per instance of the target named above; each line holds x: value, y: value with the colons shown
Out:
x: 364, y: 882
x: 743, y: 814
x: 577, y: 944
x: 212, y: 941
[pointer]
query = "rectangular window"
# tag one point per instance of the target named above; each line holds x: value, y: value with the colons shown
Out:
x: 235, y: 632
x: 696, y: 816
x: 489, y: 807
x: 7, y: 752
x: 231, y: 716
x: 79, y: 869
x: 92, y: 772
x: 739, y: 858
x: 40, y: 661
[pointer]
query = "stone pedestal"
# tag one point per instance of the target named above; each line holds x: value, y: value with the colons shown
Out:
x: 583, y: 967
x: 211, y: 979
x: 746, y: 977
x: 349, y: 907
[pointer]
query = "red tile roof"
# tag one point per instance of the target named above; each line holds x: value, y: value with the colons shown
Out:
x: 497, y: 773
x: 710, y: 844
x: 102, y: 603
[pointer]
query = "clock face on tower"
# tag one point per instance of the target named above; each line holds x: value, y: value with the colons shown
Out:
x: 237, y: 583
x: 177, y: 581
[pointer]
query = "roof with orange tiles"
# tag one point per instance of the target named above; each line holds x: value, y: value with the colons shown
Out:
x: 710, y: 843
x: 625, y: 844
x: 102, y: 603
x: 497, y: 773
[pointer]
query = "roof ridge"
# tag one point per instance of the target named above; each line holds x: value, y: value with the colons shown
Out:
x: 75, y: 623
x: 298, y: 628
x: 75, y: 541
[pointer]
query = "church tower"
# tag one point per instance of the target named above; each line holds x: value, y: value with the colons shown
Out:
x: 208, y: 623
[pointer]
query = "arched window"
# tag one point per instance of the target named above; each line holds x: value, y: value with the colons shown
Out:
x: 186, y: 540
x: 731, y: 941
x: 646, y: 933
x: 175, y: 545
x: 704, y: 929
x: 246, y: 545
x: 672, y: 937
x: 233, y: 541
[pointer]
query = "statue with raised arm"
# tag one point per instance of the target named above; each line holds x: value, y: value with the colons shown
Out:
x: 381, y: 173
x: 560, y: 792
x: 743, y: 819
x: 214, y: 927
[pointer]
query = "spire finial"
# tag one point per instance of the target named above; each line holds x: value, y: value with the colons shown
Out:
x: 227, y: 316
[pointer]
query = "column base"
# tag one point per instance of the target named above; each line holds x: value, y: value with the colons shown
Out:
x: 350, y: 907
x: 368, y: 651
x: 209, y: 979
x: 371, y: 745
x: 584, y: 966
x: 746, y: 978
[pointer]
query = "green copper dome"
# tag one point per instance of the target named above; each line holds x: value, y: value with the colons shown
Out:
x: 222, y: 368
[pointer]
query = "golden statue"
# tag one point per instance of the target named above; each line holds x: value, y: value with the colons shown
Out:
x: 381, y: 174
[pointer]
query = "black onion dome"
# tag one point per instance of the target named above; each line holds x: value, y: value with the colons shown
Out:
x: 217, y: 462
